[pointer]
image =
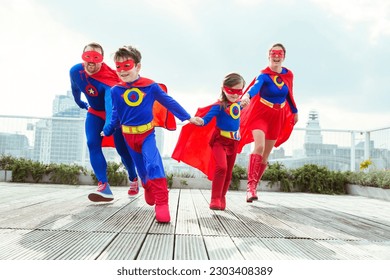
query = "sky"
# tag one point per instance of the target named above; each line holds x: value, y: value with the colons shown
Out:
x: 338, y: 50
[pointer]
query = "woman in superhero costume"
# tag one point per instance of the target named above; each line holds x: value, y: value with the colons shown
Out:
x: 270, y: 116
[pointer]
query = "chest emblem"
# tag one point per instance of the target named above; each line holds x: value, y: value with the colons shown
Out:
x: 234, y: 110
x: 278, y: 81
x: 91, y: 90
x: 133, y: 97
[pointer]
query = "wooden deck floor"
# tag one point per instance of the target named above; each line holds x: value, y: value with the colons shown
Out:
x: 56, y: 222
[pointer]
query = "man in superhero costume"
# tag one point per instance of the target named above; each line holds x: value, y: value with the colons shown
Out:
x: 269, y: 119
x: 213, y: 147
x: 94, y: 78
x: 133, y: 101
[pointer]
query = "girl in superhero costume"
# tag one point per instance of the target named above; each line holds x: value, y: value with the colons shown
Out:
x: 269, y: 119
x: 217, y: 156
x: 133, y: 100
x: 94, y: 78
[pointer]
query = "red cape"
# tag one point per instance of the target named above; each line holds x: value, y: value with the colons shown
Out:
x: 106, y: 76
x: 193, y: 146
x: 246, y: 116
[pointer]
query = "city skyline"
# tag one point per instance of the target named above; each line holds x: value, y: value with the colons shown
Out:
x: 61, y: 139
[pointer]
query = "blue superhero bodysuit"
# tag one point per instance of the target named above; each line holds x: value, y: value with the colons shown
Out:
x: 133, y: 110
x: 227, y: 119
x: 272, y: 89
x: 133, y: 107
x: 99, y: 114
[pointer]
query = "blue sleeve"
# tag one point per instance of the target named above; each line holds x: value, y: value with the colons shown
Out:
x: 293, y: 109
x: 256, y: 86
x: 171, y: 104
x: 214, y: 111
x: 109, y: 127
x: 108, y: 104
x: 77, y: 94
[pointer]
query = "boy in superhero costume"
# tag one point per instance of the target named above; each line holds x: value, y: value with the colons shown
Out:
x: 270, y: 117
x: 94, y: 78
x: 133, y: 100
x: 213, y: 148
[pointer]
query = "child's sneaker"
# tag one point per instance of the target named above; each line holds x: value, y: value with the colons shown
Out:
x: 103, y: 193
x: 134, y: 188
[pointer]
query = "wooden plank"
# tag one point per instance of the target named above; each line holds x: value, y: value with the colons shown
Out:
x: 187, y: 221
x: 190, y: 247
x: 209, y: 223
x: 87, y: 246
x: 258, y: 212
x: 346, y: 250
x: 222, y: 248
x: 252, y: 248
x: 285, y: 249
x: 125, y: 246
x: 157, y: 247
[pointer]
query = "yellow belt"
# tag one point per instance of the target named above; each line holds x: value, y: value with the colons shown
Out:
x: 272, y: 105
x: 231, y: 134
x: 137, y: 129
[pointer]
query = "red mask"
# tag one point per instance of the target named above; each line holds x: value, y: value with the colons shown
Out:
x: 276, y: 53
x: 92, y: 56
x: 125, y: 65
x: 229, y: 90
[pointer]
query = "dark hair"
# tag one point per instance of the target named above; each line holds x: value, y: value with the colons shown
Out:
x: 230, y: 80
x: 278, y: 45
x: 128, y: 52
x: 94, y: 46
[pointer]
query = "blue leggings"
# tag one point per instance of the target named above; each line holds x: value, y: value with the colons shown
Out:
x: 93, y: 127
x: 147, y: 158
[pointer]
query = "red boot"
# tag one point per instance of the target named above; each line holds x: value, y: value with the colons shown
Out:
x: 148, y: 194
x: 216, y: 190
x: 160, y: 191
x: 224, y: 191
x: 216, y: 195
x: 255, y: 171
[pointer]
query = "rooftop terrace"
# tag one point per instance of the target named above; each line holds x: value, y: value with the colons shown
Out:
x: 58, y: 222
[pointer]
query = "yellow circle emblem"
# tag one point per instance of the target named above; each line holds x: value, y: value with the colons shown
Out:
x: 133, y: 97
x: 235, y: 111
x: 278, y: 82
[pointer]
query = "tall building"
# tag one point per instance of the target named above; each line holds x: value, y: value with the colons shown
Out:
x: 62, y: 103
x: 42, y: 142
x: 15, y: 145
x: 61, y: 139
x: 68, y: 140
x: 313, y: 134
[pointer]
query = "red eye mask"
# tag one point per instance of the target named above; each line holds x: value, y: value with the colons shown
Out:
x: 276, y: 53
x: 125, y: 65
x: 229, y: 90
x: 92, y: 56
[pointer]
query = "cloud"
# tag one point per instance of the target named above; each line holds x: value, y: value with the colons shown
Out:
x: 36, y: 51
x: 375, y: 13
